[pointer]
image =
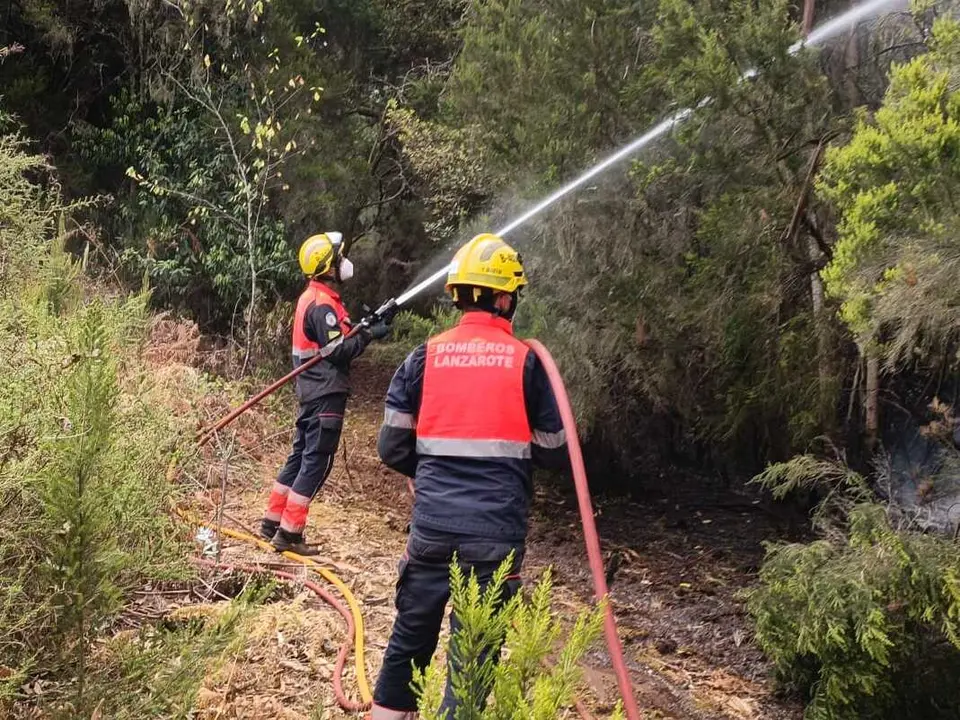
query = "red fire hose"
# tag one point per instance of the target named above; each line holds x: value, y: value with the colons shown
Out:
x: 342, y: 700
x: 590, y: 536
x: 591, y: 539
x: 384, y: 313
x: 206, y: 434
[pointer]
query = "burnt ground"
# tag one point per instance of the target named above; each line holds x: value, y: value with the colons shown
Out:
x: 675, y: 575
x: 678, y: 556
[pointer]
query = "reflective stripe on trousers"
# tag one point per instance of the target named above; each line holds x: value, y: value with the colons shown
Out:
x: 470, y: 448
x: 382, y: 713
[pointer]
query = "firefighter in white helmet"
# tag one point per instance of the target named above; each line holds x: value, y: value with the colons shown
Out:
x: 320, y: 325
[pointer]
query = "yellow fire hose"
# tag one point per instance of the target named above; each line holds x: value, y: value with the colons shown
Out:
x: 359, y: 663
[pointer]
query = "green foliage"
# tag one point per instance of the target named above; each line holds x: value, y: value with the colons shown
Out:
x: 158, y: 672
x: 83, y: 518
x: 544, y: 81
x: 896, y: 266
x: 681, y: 291
x: 409, y: 330
x: 842, y: 489
x: 684, y: 295
x: 450, y: 162
x: 187, y: 227
x: 524, y: 683
x: 227, y: 131
x: 237, y: 103
x: 865, y: 620
x: 26, y: 213
x: 82, y: 553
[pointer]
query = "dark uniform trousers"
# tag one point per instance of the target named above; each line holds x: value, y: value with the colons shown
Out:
x: 315, y: 441
x: 423, y: 589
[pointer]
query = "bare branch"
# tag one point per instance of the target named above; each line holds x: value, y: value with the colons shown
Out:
x: 170, y: 190
x: 7, y: 51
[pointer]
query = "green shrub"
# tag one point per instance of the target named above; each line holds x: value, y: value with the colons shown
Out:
x: 866, y: 620
x: 409, y: 330
x: 521, y: 685
x: 158, y: 672
x: 83, y: 506
x: 26, y: 214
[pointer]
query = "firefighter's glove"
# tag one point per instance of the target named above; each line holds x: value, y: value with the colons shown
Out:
x: 379, y: 330
x: 388, y: 313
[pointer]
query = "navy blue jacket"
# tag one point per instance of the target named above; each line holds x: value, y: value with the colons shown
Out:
x: 483, y: 497
x: 331, y: 376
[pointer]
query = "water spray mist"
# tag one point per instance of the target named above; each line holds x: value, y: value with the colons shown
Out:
x: 625, y: 686
x: 818, y: 36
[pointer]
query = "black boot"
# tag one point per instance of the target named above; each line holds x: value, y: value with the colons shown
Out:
x: 268, y: 528
x: 285, y: 541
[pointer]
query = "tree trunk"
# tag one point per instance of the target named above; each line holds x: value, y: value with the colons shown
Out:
x: 252, y: 261
x: 817, y: 294
x: 248, y: 340
x: 872, y: 404
x: 851, y: 65
x: 818, y: 300
x: 808, y: 8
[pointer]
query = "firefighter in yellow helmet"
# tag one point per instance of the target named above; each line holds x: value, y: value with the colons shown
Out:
x: 320, y: 325
x: 468, y: 414
x: 487, y: 266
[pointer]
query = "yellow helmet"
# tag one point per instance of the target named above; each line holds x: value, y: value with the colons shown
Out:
x: 488, y: 262
x: 318, y: 253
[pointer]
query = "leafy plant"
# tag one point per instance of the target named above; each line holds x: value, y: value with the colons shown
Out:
x: 896, y: 264
x: 83, y: 518
x: 410, y: 330
x: 864, y: 621
x: 83, y: 559
x: 523, y: 683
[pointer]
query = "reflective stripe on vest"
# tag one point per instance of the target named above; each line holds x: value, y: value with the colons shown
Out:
x: 472, y: 404
x: 317, y: 294
x: 460, y: 447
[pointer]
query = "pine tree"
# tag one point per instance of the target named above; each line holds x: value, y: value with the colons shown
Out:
x: 524, y: 684
x: 82, y: 556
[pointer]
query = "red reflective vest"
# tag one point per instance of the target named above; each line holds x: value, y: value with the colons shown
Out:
x: 315, y: 295
x: 472, y: 403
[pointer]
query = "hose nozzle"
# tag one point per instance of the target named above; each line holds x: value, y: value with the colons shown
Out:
x: 385, y: 313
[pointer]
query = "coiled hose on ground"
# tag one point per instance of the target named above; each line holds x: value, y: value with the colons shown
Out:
x: 353, y: 617
x: 342, y: 700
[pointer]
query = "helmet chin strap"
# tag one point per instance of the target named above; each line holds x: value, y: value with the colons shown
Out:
x: 511, y: 311
x: 336, y: 240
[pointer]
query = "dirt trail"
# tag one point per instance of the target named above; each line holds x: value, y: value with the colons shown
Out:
x: 677, y: 572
